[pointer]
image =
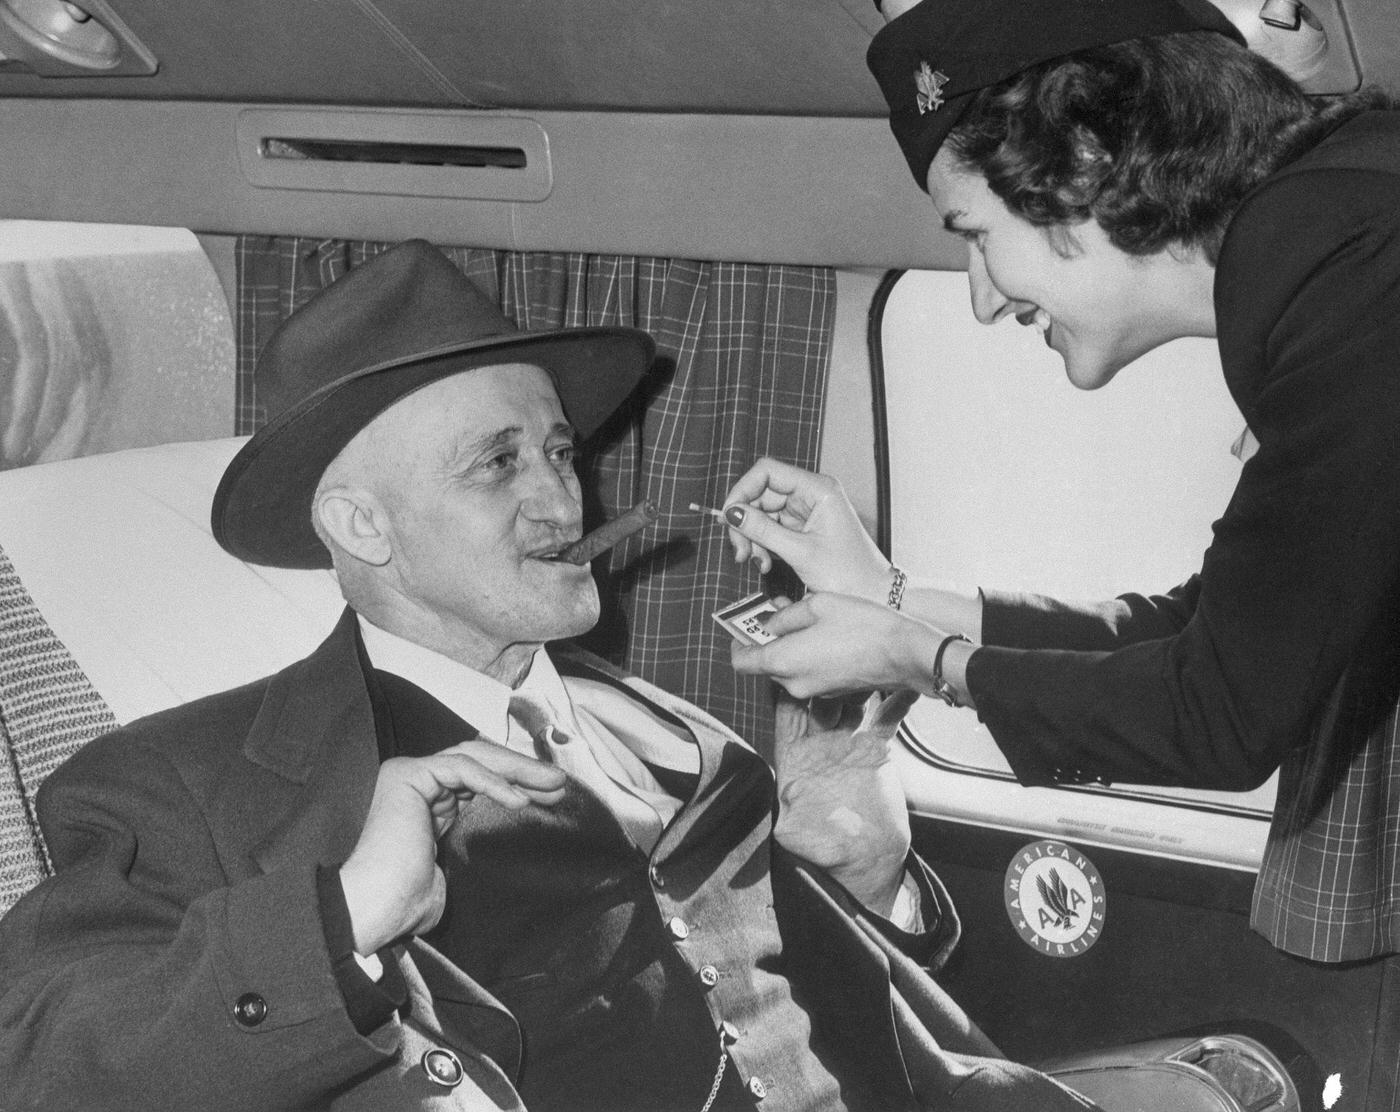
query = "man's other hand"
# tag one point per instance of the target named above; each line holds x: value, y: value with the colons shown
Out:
x: 841, y: 803
x: 393, y: 886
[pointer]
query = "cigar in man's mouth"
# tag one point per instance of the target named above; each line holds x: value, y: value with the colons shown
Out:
x: 610, y: 533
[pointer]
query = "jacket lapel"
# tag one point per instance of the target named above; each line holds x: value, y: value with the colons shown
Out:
x: 304, y: 787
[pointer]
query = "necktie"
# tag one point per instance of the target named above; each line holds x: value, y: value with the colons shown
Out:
x: 576, y: 757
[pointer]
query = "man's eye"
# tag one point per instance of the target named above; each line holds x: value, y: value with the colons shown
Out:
x: 563, y: 454
x: 499, y: 462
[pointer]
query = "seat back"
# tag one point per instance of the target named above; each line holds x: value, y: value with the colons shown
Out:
x: 115, y: 602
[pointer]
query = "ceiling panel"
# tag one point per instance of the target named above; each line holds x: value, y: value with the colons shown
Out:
x: 766, y: 57
x: 802, y: 57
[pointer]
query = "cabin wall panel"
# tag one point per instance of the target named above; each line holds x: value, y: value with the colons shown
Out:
x: 745, y: 189
x: 848, y: 433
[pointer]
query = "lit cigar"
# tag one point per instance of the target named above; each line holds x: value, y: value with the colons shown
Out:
x: 610, y: 533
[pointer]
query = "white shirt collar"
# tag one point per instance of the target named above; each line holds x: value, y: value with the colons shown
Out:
x: 471, y: 695
x: 608, y: 718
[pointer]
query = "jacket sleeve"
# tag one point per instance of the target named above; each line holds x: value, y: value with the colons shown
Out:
x: 876, y: 1003
x: 1210, y: 685
x: 939, y: 929
x: 143, y: 976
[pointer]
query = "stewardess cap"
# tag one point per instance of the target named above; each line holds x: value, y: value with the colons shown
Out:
x: 932, y: 58
x: 394, y: 324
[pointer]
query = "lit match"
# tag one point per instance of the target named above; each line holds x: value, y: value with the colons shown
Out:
x: 718, y: 515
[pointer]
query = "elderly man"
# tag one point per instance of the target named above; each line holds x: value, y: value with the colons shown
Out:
x: 436, y: 864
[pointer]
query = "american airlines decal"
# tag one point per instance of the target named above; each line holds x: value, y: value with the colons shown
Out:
x: 1055, y: 899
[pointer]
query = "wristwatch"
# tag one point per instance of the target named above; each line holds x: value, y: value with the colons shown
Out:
x: 941, y: 687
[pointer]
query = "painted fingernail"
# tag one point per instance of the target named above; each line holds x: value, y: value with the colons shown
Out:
x: 734, y: 515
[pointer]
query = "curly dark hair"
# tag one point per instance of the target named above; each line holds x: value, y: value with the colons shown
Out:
x: 1157, y: 139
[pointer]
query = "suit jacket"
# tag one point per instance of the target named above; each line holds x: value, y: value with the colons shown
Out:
x: 177, y: 959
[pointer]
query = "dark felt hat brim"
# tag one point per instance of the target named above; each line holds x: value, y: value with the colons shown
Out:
x: 262, y: 507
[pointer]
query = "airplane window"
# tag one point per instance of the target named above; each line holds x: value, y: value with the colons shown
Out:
x: 110, y: 337
x: 1002, y: 474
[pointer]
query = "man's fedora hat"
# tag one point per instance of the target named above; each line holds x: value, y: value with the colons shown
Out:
x: 933, y: 58
x: 396, y: 323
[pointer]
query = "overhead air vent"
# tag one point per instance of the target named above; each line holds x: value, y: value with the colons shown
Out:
x: 393, y: 154
x: 60, y: 38
x: 471, y: 155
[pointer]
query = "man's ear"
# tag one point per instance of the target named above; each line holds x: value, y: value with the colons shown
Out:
x: 354, y: 521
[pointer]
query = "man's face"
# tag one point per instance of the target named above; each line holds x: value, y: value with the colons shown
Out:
x: 1091, y: 300
x: 475, y: 474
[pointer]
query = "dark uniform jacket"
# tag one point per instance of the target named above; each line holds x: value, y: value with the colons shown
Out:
x: 1283, y: 650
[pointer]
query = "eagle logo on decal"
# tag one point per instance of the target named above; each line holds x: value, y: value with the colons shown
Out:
x: 929, y: 83
x: 1055, y: 898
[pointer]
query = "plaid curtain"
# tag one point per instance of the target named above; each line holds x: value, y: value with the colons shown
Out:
x: 741, y: 372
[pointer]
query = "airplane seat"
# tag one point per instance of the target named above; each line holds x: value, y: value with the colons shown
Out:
x: 1210, y: 1073
x: 116, y: 602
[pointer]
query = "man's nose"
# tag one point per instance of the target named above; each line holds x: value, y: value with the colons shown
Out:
x: 553, y: 496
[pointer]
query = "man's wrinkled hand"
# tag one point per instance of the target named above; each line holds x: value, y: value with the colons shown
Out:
x: 841, y: 805
x: 392, y: 883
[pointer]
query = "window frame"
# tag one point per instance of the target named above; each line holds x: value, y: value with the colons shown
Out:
x: 1217, y: 828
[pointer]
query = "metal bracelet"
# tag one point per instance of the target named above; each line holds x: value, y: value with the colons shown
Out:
x: 941, y: 687
x: 897, y: 588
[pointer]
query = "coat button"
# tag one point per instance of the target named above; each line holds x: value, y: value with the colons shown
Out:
x: 249, y: 1010
x: 758, y: 1088
x: 678, y: 928
x: 443, y: 1067
x: 709, y: 976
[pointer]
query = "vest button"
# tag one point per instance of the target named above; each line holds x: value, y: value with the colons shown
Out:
x: 249, y: 1010
x: 729, y: 1032
x: 758, y: 1088
x: 654, y: 875
x: 443, y: 1067
x: 709, y: 976
x: 679, y: 931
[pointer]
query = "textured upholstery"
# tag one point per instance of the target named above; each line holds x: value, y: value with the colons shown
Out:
x: 48, y: 709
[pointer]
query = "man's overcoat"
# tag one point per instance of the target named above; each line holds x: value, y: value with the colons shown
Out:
x: 184, y: 906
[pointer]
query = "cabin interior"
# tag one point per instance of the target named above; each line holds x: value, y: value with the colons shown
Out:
x: 173, y: 179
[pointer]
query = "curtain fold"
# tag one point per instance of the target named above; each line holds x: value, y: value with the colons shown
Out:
x: 743, y: 351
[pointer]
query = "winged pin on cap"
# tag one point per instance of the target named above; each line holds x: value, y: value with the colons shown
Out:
x: 932, y: 59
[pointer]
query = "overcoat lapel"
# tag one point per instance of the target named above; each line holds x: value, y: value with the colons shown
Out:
x: 311, y: 759
x: 302, y: 794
